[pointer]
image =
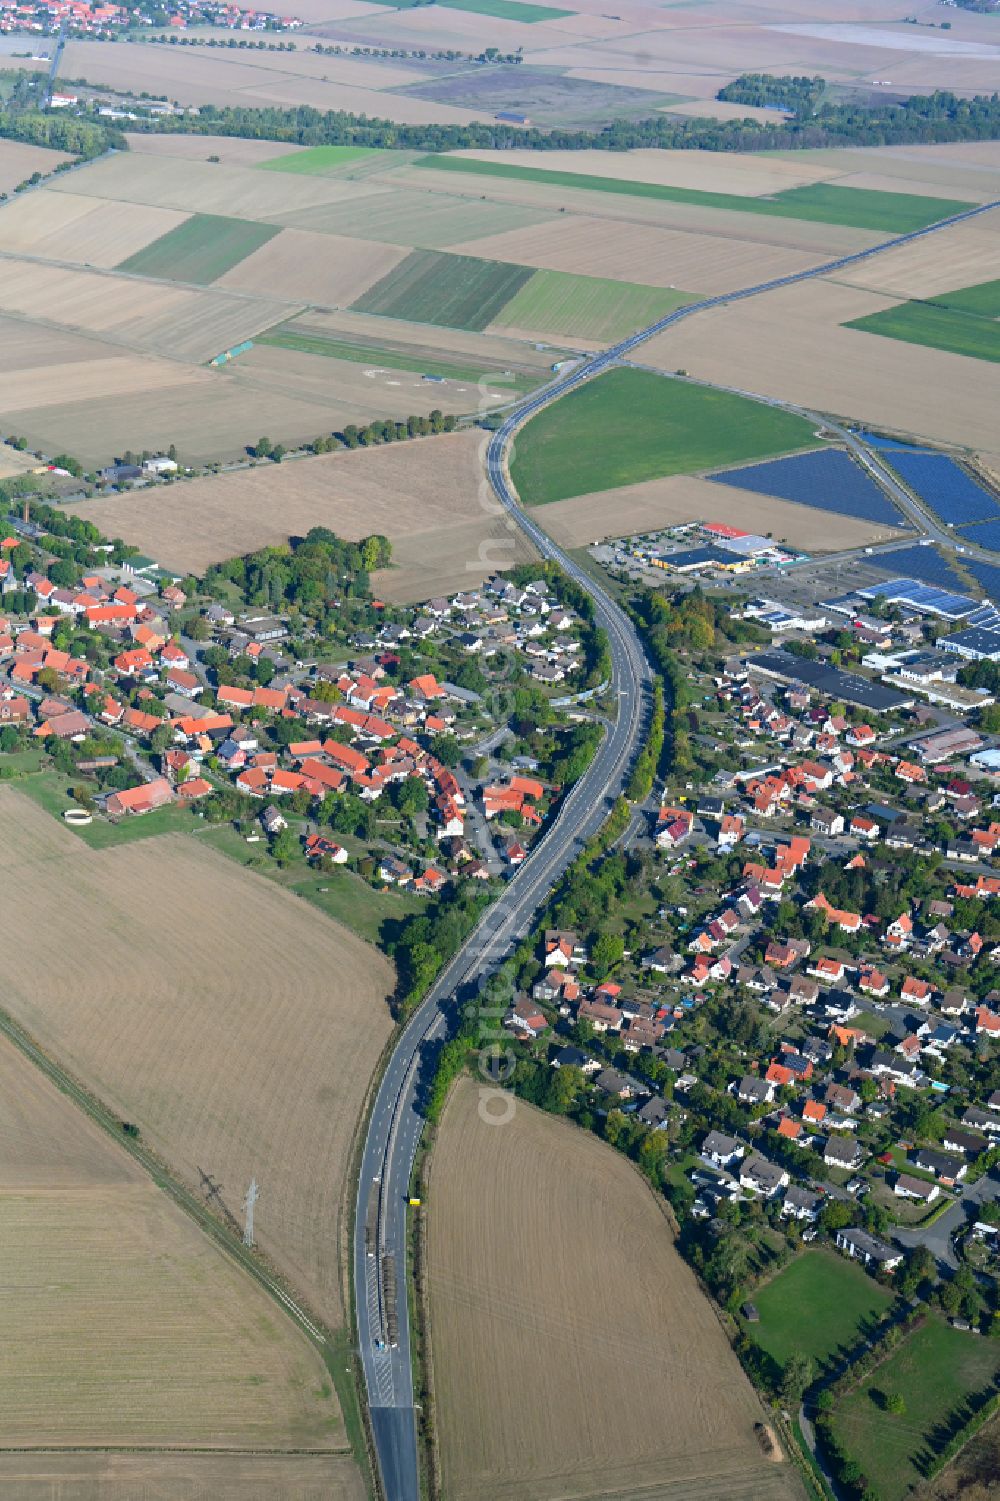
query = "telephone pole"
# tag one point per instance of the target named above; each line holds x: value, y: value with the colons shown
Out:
x: 253, y: 1194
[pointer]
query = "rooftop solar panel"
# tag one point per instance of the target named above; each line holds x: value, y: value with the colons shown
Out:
x: 828, y: 480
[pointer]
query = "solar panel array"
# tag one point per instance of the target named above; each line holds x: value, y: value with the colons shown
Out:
x: 926, y: 564
x: 986, y: 534
x: 945, y: 488
x: 987, y: 575
x: 927, y: 597
x: 829, y: 480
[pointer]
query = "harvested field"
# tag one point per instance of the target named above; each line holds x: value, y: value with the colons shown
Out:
x: 720, y: 109
x: 666, y: 502
x: 746, y: 175
x: 658, y: 257
x: 523, y: 1364
x: 957, y: 257
x: 963, y: 169
x: 631, y: 425
x: 354, y: 391
x: 936, y: 327
x: 404, y: 217
x: 179, y: 1477
x: 428, y: 496
x: 789, y: 344
x: 89, y: 231
x: 383, y: 360
x: 19, y: 161
x: 433, y: 287
x: 231, y: 150
x: 123, y: 1323
x: 314, y: 268
x: 245, y: 1049
x: 553, y: 302
x: 104, y: 379
x: 974, y: 1475
x: 200, y: 249
x: 490, y: 350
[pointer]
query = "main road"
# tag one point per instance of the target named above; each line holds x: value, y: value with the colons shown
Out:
x: 396, y: 1122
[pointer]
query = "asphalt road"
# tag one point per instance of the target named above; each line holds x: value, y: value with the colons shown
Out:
x: 396, y: 1122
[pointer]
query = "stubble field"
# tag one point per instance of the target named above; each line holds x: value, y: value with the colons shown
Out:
x: 574, y: 1355
x: 235, y: 1027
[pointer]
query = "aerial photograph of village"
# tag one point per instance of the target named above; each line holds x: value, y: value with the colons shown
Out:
x: 500, y: 750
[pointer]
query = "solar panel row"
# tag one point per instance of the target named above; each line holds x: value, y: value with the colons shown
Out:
x: 829, y: 480
x: 987, y: 575
x: 924, y: 563
x: 986, y: 534
x: 945, y: 488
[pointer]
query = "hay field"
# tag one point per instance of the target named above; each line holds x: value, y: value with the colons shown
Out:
x: 959, y: 257
x: 666, y: 502
x: 746, y: 175
x: 574, y: 1355
x: 179, y: 1477
x: 428, y: 496
x: 123, y: 1323
x: 314, y: 268
x: 404, y: 217
x: 19, y: 161
x: 231, y: 150
x: 657, y: 257
x: 790, y: 344
x: 88, y: 231
x: 236, y: 1027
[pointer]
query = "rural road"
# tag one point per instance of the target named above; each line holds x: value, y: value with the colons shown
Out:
x: 396, y: 1122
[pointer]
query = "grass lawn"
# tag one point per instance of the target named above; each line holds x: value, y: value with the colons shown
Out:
x: 941, y: 324
x: 590, y: 307
x: 316, y: 159
x: 50, y: 790
x: 395, y: 359
x: 819, y: 1305
x: 631, y: 425
x: 453, y: 291
x: 861, y: 208
x: 933, y: 1371
x: 204, y: 247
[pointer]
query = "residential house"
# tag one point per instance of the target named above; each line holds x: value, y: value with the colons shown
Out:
x: 869, y: 1249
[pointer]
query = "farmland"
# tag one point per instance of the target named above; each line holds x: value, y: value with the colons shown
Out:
x: 820, y: 1305
x: 244, y: 1049
x: 527, y: 1343
x: 458, y: 291
x: 963, y: 322
x: 585, y: 306
x: 317, y: 159
x: 372, y: 354
x: 934, y: 1370
x: 124, y: 1325
x: 629, y: 425
x: 200, y: 250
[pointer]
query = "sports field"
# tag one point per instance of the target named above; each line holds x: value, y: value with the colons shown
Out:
x: 962, y: 322
x: 822, y: 203
x: 820, y: 1305
x: 200, y: 250
x: 316, y: 159
x: 553, y: 1283
x: 630, y: 425
x: 556, y: 302
x: 239, y: 1033
x: 458, y: 291
x: 934, y: 1371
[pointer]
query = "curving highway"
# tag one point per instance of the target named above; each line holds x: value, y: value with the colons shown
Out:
x: 394, y: 1129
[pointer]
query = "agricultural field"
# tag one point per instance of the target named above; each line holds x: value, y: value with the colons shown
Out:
x: 456, y: 290
x: 590, y: 307
x: 199, y: 250
x: 964, y: 322
x: 19, y: 161
x: 427, y: 496
x: 973, y: 1476
x: 318, y: 159
x: 828, y: 481
x: 820, y: 1305
x: 81, y: 1476
x: 243, y: 1043
x: 77, y: 228
x: 654, y: 504
x: 125, y: 1325
x: 313, y: 268
x: 934, y: 1370
x: 527, y: 1343
x: 449, y: 372
x: 630, y: 425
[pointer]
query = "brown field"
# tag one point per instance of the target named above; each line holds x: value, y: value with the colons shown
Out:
x: 312, y: 267
x: 179, y: 1477
x: 959, y: 169
x: 19, y: 161
x: 89, y: 231
x: 708, y: 171
x: 721, y: 109
x: 123, y: 1323
x: 428, y: 496
x: 973, y: 1476
x: 488, y: 349
x: 789, y: 344
x: 574, y: 1355
x: 232, y: 151
x: 654, y: 257
x: 958, y: 257
x: 229, y: 1020
x: 666, y: 502
x: 103, y: 379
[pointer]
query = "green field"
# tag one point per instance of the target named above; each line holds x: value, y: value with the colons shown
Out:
x: 502, y: 10
x: 631, y: 425
x: 454, y: 291
x: 818, y: 1306
x: 966, y: 321
x: 934, y: 1370
x: 589, y: 307
x: 317, y: 159
x: 858, y: 208
x: 51, y: 791
x: 395, y: 359
x: 201, y: 249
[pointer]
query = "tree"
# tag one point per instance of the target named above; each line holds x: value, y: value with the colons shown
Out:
x: 893, y: 1402
x: 798, y: 1374
x: 284, y: 847
x: 608, y: 950
x: 262, y: 448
